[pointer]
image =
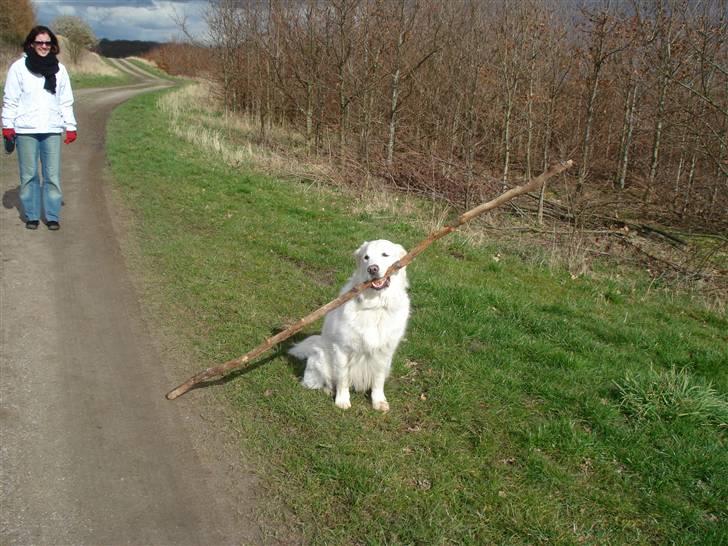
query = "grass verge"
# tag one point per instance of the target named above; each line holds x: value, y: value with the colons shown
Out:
x: 84, y: 81
x: 151, y: 68
x: 515, y: 397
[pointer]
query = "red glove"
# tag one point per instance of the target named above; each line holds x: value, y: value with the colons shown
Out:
x: 70, y: 137
x: 8, y: 134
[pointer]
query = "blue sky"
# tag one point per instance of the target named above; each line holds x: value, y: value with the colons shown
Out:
x: 151, y: 20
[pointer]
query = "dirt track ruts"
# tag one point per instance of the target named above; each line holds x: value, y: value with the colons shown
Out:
x: 91, y: 451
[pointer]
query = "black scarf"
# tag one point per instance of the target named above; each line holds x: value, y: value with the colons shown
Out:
x: 45, y: 66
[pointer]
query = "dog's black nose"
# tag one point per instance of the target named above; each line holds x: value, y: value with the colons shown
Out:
x: 373, y: 269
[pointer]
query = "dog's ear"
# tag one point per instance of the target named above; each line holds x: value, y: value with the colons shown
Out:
x: 361, y: 250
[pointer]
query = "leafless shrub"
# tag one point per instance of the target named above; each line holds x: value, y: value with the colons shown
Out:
x: 443, y: 98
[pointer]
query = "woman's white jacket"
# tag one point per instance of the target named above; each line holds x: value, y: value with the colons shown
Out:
x: 28, y: 108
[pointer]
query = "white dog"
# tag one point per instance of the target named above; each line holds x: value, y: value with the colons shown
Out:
x: 359, y: 338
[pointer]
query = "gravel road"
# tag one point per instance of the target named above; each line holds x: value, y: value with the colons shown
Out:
x: 91, y: 451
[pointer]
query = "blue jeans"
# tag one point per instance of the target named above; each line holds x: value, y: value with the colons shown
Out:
x: 31, y: 149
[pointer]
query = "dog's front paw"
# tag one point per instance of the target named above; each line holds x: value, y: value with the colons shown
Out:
x: 381, y: 405
x: 342, y: 399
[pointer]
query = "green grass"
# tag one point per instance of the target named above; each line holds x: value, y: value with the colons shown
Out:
x: 81, y: 81
x: 151, y: 69
x: 520, y: 398
x: 672, y: 395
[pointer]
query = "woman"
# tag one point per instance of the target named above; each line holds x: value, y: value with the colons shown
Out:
x: 37, y: 108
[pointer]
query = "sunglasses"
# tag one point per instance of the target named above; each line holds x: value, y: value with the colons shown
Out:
x: 41, y: 43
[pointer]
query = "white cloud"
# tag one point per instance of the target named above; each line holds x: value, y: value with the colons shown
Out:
x: 151, y: 20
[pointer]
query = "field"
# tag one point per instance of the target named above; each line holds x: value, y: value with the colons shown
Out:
x: 529, y: 405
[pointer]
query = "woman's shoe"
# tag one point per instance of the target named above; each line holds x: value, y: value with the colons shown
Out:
x: 32, y: 224
x: 53, y: 225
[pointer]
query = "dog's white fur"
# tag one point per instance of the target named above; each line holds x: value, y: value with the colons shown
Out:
x: 359, y: 338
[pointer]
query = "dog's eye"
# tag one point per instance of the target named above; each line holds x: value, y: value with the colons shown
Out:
x: 385, y: 254
x: 366, y: 257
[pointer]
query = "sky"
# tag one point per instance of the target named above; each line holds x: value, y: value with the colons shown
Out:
x: 148, y: 20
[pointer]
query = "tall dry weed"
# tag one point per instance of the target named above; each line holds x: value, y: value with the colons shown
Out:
x: 88, y: 62
x: 196, y: 117
x: 8, y: 55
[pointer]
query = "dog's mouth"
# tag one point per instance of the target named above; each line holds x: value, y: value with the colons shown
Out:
x: 381, y: 283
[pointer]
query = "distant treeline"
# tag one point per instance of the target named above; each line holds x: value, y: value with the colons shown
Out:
x: 124, y: 48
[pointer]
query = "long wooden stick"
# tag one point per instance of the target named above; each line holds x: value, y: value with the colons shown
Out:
x: 223, y: 369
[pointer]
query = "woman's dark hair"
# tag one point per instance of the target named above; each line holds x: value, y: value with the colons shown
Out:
x: 33, y: 34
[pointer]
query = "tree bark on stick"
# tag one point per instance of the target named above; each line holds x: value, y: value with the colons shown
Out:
x: 223, y: 369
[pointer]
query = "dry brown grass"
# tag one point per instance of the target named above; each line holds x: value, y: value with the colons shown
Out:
x: 144, y: 61
x: 8, y: 55
x: 195, y: 117
x: 88, y: 63
x: 91, y: 63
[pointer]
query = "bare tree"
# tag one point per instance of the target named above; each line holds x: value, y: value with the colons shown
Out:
x: 341, y: 48
x: 630, y: 73
x: 78, y: 33
x: 666, y: 64
x: 603, y: 29
x: 558, y: 68
x: 408, y: 14
x: 707, y: 87
x: 227, y: 36
x: 514, y: 57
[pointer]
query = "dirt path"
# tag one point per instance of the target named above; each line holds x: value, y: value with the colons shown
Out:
x: 91, y: 452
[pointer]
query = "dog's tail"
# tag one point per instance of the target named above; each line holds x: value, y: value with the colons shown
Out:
x: 306, y: 348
